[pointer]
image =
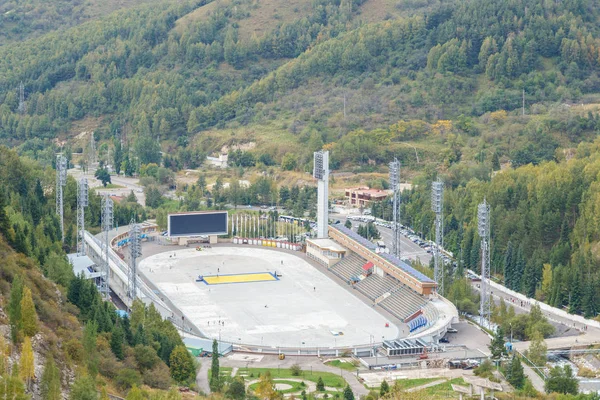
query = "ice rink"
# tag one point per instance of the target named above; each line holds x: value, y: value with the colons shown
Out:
x: 302, y: 308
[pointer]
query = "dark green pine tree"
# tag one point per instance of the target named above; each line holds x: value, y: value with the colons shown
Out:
x: 215, y: 378
x: 508, y: 265
x: 496, y: 346
x: 589, y: 294
x: 467, y: 246
x: 348, y: 394
x: 4, y: 222
x: 116, y: 342
x: 530, y: 280
x: 519, y: 269
x: 14, y: 306
x: 576, y: 295
x: 516, y: 375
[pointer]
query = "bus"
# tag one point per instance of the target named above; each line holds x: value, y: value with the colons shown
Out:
x: 296, y: 221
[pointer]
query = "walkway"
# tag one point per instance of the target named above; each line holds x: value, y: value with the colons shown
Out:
x: 202, y: 377
x: 536, y: 380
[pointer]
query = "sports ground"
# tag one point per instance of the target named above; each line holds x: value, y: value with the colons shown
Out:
x: 249, y: 295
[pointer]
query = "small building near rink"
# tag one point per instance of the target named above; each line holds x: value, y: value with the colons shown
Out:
x: 364, y: 196
x: 325, y: 251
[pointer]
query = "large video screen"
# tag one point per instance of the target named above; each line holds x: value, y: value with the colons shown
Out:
x: 195, y: 224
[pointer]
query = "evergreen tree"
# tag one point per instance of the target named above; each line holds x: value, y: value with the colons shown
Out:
x: 29, y: 318
x: 117, y: 156
x: 182, y: 365
x: 50, y: 384
x: 236, y: 389
x: 384, y: 389
x: 116, y: 342
x: 516, y: 375
x: 589, y: 298
x: 518, y: 270
x: 320, y: 385
x: 26, y: 363
x: 348, y: 224
x: 561, y: 380
x: 89, y: 347
x: 508, y: 265
x: 575, y: 300
x: 215, y: 378
x: 348, y: 394
x: 4, y: 222
x: 14, y: 306
x: 496, y: 346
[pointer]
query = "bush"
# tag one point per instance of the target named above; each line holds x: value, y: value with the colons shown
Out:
x: 128, y: 377
x: 296, y: 370
x: 74, y: 350
x: 320, y: 385
x: 158, y: 377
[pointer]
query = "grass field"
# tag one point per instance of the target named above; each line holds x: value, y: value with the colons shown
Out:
x: 329, y: 379
x: 295, y: 386
x: 347, y: 365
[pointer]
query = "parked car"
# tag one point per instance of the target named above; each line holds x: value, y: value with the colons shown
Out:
x: 451, y: 330
x: 444, y: 340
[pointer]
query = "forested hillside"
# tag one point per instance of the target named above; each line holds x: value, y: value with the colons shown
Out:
x: 56, y: 334
x: 191, y: 73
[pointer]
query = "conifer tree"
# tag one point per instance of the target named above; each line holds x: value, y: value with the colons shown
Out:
x: 29, y: 318
x: 348, y: 394
x: 26, y: 363
x: 116, y: 342
x: 215, y: 378
x: 50, y: 385
x: 14, y: 306
x: 516, y: 376
x: 89, y: 347
x: 384, y: 389
x: 182, y: 365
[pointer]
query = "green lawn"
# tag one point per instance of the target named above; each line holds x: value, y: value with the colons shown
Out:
x: 444, y: 388
x: 109, y: 186
x: 347, y: 365
x: 223, y: 371
x: 329, y: 379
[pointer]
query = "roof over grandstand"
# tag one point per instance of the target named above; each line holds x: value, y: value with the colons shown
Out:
x: 327, y: 244
x: 389, y: 257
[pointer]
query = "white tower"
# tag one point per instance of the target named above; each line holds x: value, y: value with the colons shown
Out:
x: 321, y: 173
x: 61, y: 181
x: 437, y: 206
x: 483, y: 216
x: 135, y: 249
x: 395, y: 186
x: 82, y: 202
x: 107, y: 225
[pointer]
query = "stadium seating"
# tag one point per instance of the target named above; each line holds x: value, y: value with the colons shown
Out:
x: 350, y: 266
x: 417, y: 323
x: 374, y: 286
x: 403, y: 302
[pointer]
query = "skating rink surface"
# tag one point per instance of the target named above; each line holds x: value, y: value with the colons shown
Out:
x: 303, y: 308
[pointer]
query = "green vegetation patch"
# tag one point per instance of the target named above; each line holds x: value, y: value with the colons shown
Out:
x: 329, y: 379
x: 347, y: 365
x: 295, y: 386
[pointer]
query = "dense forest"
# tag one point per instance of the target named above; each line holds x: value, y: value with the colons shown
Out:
x: 58, y: 322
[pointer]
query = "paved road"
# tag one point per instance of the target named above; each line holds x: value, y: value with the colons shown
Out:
x: 129, y: 184
x: 202, y: 376
x: 407, y: 247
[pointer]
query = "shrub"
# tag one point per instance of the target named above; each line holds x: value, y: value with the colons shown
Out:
x: 74, y: 350
x: 296, y: 370
x: 158, y: 377
x: 128, y: 377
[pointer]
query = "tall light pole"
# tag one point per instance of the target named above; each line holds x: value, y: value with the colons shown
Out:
x: 483, y: 217
x: 61, y: 181
x: 82, y: 202
x: 437, y: 206
x: 321, y: 173
x: 135, y: 248
x: 107, y: 225
x: 395, y: 186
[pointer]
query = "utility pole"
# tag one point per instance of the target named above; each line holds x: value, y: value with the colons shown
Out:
x: 437, y: 206
x: 135, y: 248
x: 483, y: 217
x: 82, y: 202
x: 61, y: 181
x: 395, y: 186
x: 107, y: 225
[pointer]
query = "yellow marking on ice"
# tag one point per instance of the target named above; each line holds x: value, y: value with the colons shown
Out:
x: 241, y: 278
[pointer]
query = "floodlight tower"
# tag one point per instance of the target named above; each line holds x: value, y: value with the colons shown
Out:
x: 437, y: 205
x: 321, y: 172
x: 395, y: 186
x: 107, y: 225
x: 483, y: 217
x: 82, y: 202
x: 135, y: 249
x: 61, y: 181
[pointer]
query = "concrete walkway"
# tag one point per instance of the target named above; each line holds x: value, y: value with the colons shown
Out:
x: 536, y: 380
x: 202, y: 378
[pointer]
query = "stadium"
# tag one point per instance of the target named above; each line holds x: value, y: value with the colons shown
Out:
x: 329, y: 295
